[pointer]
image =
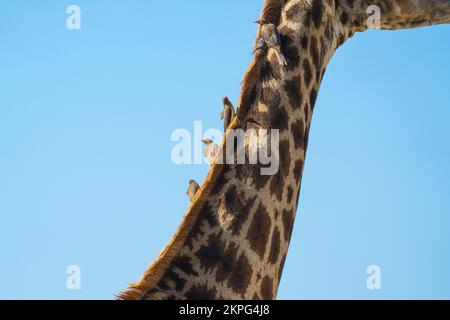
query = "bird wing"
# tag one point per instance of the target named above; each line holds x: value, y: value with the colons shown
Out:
x: 232, y: 110
x: 227, y: 115
x: 278, y: 37
x: 271, y: 36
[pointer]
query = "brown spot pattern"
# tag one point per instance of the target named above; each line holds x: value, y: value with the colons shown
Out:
x: 274, y: 247
x: 201, y: 292
x: 258, y: 233
x: 241, y: 275
x: 267, y: 288
x: 292, y: 88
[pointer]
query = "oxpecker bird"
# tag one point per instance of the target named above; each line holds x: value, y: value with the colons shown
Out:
x: 192, y: 190
x: 268, y: 32
x: 211, y: 150
x: 227, y: 113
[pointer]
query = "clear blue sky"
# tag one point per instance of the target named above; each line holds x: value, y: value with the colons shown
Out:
x: 85, y: 171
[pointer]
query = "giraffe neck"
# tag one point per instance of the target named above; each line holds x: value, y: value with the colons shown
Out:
x: 234, y: 239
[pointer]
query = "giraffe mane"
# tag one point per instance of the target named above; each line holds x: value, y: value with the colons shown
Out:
x: 272, y: 11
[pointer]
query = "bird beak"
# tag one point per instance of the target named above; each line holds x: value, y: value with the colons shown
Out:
x: 257, y: 21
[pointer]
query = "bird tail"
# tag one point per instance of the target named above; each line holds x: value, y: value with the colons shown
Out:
x: 281, y: 59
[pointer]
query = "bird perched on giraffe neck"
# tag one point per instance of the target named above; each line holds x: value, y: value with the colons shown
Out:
x: 228, y: 113
x: 268, y: 34
x: 211, y: 150
x: 192, y: 189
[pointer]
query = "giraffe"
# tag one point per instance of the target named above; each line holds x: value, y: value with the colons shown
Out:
x: 234, y: 238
